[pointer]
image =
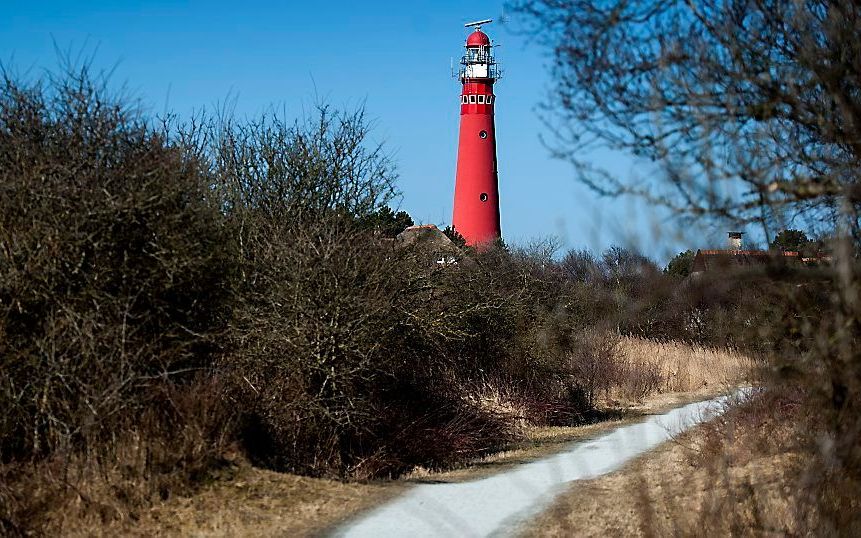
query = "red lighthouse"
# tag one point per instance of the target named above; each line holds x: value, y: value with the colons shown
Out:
x: 476, y: 189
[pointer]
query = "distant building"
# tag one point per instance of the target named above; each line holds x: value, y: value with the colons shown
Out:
x: 430, y: 239
x: 736, y: 258
x: 717, y: 260
x: 735, y: 240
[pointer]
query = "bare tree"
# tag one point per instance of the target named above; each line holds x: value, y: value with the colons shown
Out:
x: 295, y: 172
x: 750, y: 111
x: 751, y: 108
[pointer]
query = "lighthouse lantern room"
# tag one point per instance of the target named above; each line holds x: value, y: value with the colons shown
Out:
x: 476, y: 191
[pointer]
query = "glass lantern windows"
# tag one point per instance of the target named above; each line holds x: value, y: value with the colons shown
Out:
x: 476, y: 55
x: 480, y: 99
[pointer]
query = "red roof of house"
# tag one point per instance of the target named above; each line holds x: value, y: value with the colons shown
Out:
x: 710, y: 260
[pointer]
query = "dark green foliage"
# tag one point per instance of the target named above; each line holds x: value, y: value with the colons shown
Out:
x: 386, y: 222
x: 681, y: 264
x: 455, y: 236
x: 790, y: 240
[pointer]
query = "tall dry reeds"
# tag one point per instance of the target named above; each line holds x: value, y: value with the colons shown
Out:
x: 683, y: 367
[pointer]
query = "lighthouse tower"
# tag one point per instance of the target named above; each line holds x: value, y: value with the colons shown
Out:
x: 476, y: 190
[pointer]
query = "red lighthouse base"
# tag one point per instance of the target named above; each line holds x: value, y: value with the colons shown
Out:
x: 476, y: 193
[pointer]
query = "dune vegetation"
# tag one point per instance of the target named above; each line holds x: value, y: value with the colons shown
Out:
x: 177, y: 297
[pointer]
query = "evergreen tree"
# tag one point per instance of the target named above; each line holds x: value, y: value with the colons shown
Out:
x: 681, y: 264
x: 388, y: 223
x: 790, y: 240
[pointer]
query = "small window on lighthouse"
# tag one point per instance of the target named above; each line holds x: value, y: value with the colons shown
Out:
x: 481, y: 99
x: 472, y: 99
x: 483, y: 197
x: 482, y: 134
x: 463, y: 99
x: 489, y: 99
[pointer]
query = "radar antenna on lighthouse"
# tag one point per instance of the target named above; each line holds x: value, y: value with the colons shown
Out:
x: 476, y: 190
x: 478, y: 24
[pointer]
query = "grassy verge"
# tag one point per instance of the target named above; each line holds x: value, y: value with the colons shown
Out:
x: 245, y: 500
x: 540, y: 441
x: 249, y: 501
x: 258, y: 502
x: 695, y: 485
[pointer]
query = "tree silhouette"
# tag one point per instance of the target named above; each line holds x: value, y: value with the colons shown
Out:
x: 790, y: 240
x: 750, y: 108
x: 681, y: 264
x: 388, y: 223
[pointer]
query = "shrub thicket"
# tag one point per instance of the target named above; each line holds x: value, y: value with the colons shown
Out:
x: 113, y: 268
x: 168, y: 291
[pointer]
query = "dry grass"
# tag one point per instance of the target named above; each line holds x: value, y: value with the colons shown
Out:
x: 252, y: 502
x: 246, y: 501
x: 677, y: 367
x: 690, y: 485
x: 739, y: 474
x: 663, y: 494
x: 541, y: 441
x: 496, y: 401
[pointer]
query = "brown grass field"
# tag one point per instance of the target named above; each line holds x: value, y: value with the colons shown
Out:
x: 685, y: 368
x: 736, y: 475
x: 253, y: 502
x: 696, y: 485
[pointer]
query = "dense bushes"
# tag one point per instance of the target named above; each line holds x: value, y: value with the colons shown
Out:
x: 112, y: 267
x: 169, y: 293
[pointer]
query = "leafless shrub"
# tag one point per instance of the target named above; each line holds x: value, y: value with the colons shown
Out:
x: 592, y: 366
x: 111, y: 261
x: 314, y: 341
x: 269, y: 169
x: 343, y: 345
x: 163, y: 451
x: 443, y: 435
x: 113, y: 266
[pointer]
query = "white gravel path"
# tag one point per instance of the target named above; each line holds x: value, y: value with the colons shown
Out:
x: 493, y: 506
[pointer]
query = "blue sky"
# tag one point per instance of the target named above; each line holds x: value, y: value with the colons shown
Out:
x: 392, y: 56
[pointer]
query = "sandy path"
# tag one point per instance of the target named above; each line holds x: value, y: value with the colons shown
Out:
x: 496, y: 504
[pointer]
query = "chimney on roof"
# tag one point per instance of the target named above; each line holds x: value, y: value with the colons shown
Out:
x: 735, y: 240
